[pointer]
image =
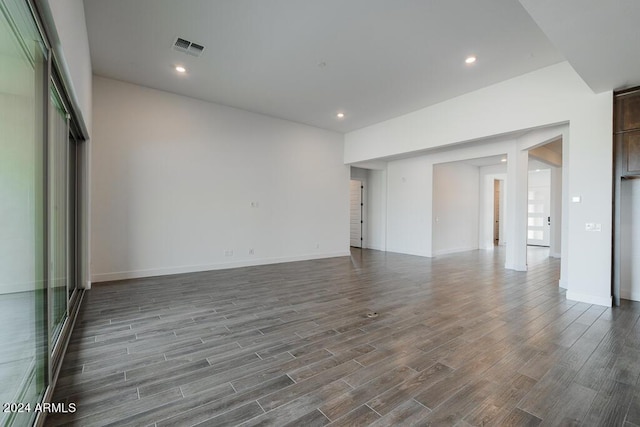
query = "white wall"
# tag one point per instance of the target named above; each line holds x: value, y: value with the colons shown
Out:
x: 409, y: 206
x: 555, y: 249
x: 630, y: 239
x: 410, y: 194
x: 545, y: 97
x: 70, y: 41
x: 409, y: 209
x: 456, y: 193
x: 174, y: 178
x: 359, y: 174
x: 377, y: 210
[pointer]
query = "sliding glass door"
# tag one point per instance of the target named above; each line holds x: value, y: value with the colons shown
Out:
x: 23, y: 95
x: 38, y: 217
x: 58, y: 213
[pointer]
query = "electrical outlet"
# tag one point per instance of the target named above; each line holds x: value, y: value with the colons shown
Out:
x: 228, y: 252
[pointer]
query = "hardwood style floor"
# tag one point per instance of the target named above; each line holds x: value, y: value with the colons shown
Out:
x: 458, y: 340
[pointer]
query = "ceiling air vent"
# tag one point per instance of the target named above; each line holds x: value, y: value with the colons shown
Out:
x: 188, y: 47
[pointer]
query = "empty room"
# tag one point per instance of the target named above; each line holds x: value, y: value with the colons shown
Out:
x: 306, y: 213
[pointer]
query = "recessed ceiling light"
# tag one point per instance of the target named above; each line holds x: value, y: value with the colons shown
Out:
x: 504, y: 159
x: 181, y: 69
x: 537, y: 170
x: 470, y: 59
x: 340, y: 115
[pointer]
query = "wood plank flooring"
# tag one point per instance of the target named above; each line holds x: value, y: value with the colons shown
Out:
x: 458, y: 340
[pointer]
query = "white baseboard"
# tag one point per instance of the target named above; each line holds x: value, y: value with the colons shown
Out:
x: 517, y: 267
x: 453, y: 251
x: 555, y: 255
x: 408, y: 253
x: 136, y: 274
x: 633, y: 296
x: 589, y: 299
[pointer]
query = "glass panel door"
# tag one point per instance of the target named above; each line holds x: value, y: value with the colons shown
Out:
x: 23, y: 95
x: 73, y: 220
x: 59, y: 247
x: 539, y: 208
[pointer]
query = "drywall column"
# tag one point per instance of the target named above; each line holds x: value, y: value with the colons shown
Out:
x: 555, y: 244
x: 502, y: 208
x: 486, y: 222
x: 377, y: 210
x: 564, y: 248
x: 517, y: 175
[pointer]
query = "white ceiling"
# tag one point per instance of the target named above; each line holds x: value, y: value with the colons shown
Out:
x: 599, y: 38
x: 381, y: 58
x: 486, y: 161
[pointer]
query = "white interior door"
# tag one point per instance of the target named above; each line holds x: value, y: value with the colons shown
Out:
x: 539, y: 208
x: 355, y: 191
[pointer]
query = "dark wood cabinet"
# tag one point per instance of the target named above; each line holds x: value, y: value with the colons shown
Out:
x: 629, y: 114
x: 627, y: 133
x: 631, y: 153
x: 626, y: 147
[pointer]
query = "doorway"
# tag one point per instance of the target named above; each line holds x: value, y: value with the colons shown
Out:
x: 498, y: 209
x: 539, y: 208
x: 630, y: 238
x: 356, y: 205
x: 544, y: 198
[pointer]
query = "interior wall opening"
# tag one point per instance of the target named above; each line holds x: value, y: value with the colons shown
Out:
x: 498, y: 212
x: 630, y: 239
x: 544, y: 199
x: 355, y: 213
x: 358, y: 207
